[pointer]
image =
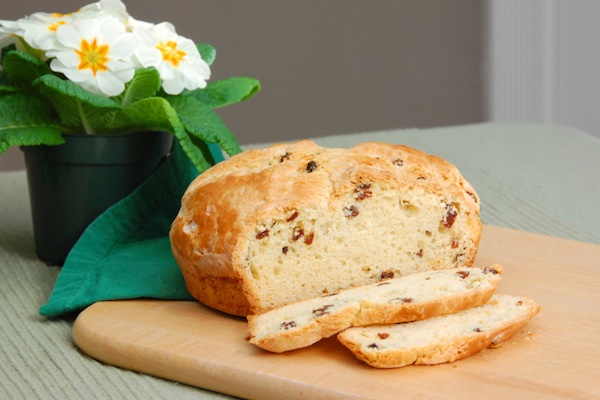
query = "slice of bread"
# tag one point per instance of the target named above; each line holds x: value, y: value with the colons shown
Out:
x: 441, y: 339
x: 413, y: 297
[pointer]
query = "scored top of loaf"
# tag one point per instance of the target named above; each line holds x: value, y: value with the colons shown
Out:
x: 288, y: 159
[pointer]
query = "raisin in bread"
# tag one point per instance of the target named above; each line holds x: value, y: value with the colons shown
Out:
x: 272, y: 226
x: 441, y: 339
x: 410, y: 298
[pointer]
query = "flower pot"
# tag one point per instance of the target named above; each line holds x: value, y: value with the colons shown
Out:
x: 73, y: 183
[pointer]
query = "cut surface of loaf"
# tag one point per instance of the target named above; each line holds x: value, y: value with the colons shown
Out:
x: 272, y: 226
x: 441, y: 339
x: 413, y: 297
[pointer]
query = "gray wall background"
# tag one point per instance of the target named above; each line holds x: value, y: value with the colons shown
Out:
x: 327, y: 66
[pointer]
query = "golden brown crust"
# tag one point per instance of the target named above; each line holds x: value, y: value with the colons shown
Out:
x: 411, y: 298
x: 447, y: 345
x: 222, y: 208
x: 311, y: 333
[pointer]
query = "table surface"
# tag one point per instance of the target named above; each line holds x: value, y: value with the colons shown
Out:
x: 538, y: 178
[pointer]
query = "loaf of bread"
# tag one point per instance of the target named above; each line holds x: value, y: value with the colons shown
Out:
x: 441, y: 339
x: 277, y: 225
x: 410, y: 298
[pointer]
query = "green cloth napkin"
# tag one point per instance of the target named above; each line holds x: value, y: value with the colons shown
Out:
x: 125, y: 253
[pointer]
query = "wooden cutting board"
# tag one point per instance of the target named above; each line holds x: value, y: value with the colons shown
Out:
x: 556, y: 356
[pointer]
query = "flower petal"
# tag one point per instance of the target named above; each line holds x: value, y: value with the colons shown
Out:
x: 109, y: 84
x: 68, y: 59
x: 124, y: 46
x: 73, y: 74
x: 173, y: 86
x: 68, y: 36
x: 148, y: 56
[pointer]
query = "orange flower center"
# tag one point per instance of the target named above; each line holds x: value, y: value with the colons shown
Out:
x: 92, y: 56
x: 54, y: 27
x: 171, y: 53
x: 59, y: 17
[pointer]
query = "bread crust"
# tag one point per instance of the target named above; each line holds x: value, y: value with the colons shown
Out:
x: 451, y: 347
x: 223, y: 207
x: 416, y: 297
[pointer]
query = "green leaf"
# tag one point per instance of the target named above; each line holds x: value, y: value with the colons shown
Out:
x: 78, y: 109
x: 145, y: 83
x: 157, y: 114
x: 207, y: 52
x: 194, y: 152
x: 6, y: 49
x: 5, y: 84
x: 8, y: 88
x: 227, y: 91
x: 203, y: 147
x: 4, y: 78
x: 26, y: 121
x: 202, y: 122
x: 153, y: 113
x: 23, y: 68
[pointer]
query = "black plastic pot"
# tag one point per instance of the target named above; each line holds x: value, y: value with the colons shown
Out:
x: 73, y: 183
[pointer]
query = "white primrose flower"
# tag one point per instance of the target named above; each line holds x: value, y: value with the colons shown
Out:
x: 176, y: 58
x: 95, y: 53
x: 113, y: 8
x: 9, y: 33
x: 39, y: 29
x: 117, y: 9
